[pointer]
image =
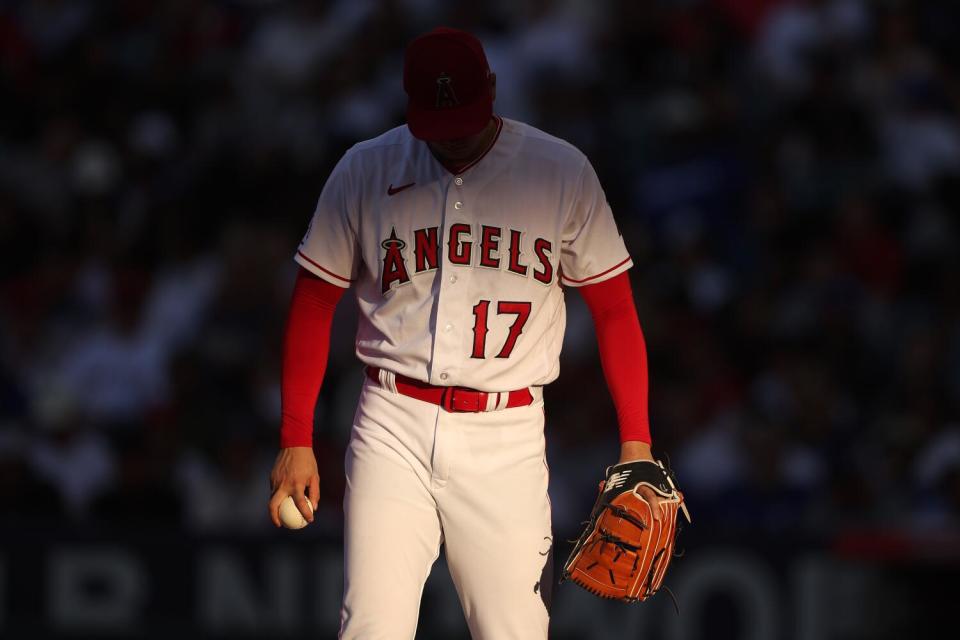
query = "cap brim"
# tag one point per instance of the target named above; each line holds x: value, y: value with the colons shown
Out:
x: 434, y: 125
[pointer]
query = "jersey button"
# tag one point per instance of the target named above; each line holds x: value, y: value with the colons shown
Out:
x: 444, y: 376
x: 453, y: 279
x: 448, y: 327
x: 458, y: 205
x: 458, y: 182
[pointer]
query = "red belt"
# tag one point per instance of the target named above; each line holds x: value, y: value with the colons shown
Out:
x: 454, y: 399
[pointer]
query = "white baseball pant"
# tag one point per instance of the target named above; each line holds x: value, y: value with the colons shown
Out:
x: 419, y: 477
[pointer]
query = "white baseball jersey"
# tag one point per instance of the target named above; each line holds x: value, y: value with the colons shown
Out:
x: 458, y: 275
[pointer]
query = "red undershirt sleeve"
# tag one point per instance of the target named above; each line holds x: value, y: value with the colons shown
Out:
x: 623, y: 352
x: 306, y: 345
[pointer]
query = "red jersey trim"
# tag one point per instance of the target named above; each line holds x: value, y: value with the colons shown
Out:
x: 594, y: 277
x: 326, y: 271
x: 473, y: 162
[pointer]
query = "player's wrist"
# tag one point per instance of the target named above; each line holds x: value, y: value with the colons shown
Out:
x: 635, y: 450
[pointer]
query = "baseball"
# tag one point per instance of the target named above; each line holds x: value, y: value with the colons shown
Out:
x: 290, y: 515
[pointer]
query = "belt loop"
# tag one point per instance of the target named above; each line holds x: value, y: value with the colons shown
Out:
x: 388, y: 380
x: 537, y: 394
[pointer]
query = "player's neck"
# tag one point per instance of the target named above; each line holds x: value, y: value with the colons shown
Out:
x: 459, y: 153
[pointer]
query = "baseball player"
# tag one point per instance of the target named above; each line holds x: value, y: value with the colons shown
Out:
x: 459, y: 234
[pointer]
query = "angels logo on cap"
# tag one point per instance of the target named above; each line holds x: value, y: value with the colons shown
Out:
x: 445, y: 95
x: 447, y: 81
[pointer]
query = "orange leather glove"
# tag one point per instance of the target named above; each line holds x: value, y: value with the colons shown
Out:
x: 623, y: 553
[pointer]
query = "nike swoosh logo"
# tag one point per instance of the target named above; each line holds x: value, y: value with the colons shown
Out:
x: 391, y: 190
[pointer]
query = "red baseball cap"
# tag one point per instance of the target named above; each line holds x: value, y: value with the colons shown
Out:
x: 447, y: 80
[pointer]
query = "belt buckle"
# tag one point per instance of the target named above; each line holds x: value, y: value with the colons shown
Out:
x: 458, y: 400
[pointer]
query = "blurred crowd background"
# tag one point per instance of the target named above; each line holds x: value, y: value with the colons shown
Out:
x: 786, y: 175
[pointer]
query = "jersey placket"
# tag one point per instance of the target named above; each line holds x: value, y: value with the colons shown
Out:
x: 451, y: 299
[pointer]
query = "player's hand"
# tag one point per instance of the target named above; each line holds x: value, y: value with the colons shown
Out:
x: 294, y: 473
x: 637, y: 450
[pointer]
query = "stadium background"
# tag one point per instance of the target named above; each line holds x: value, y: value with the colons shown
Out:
x: 785, y: 175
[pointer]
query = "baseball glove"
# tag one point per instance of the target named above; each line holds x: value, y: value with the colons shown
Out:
x: 623, y: 553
